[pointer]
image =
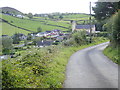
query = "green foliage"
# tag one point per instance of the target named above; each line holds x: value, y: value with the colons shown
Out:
x: 38, y: 67
x: 114, y: 28
x: 16, y: 38
x: 39, y: 29
x: 7, y: 45
x: 113, y: 54
x: 61, y: 17
x: 102, y: 34
x: 30, y: 15
x: 78, y: 38
x: 104, y: 10
x: 7, y: 42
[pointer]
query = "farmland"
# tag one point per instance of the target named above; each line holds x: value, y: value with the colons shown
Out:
x: 44, y: 22
x: 32, y: 25
x: 10, y: 30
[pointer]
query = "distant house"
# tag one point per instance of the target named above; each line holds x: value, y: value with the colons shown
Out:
x: 20, y: 16
x: 85, y: 27
x: 21, y: 36
x: 76, y: 27
x: 41, y: 34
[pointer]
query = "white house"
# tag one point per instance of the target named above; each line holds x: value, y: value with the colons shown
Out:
x: 20, y: 16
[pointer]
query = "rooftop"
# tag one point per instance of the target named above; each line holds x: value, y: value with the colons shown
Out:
x: 84, y: 26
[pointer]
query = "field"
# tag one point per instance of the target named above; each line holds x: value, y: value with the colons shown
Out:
x: 32, y: 25
x: 10, y: 30
x: 44, y: 22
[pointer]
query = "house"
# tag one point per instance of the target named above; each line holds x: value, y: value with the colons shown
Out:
x: 41, y: 34
x: 76, y: 27
x: 21, y: 36
x: 85, y: 27
x: 20, y: 16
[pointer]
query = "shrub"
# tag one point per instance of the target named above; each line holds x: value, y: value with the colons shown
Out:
x: 114, y: 28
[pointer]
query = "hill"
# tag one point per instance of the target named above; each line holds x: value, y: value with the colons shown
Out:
x: 11, y: 10
x: 32, y: 25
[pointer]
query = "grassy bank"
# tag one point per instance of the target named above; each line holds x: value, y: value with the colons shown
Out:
x: 39, y: 67
x: 112, y: 53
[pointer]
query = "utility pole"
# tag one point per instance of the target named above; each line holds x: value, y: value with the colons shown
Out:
x: 90, y: 25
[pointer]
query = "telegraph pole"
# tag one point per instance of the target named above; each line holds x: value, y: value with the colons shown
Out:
x: 90, y: 25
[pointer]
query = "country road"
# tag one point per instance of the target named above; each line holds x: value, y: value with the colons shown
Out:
x: 89, y: 68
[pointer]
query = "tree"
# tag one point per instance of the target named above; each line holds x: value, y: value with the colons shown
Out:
x: 7, y: 45
x: 30, y: 15
x: 51, y: 16
x: 16, y: 38
x: 104, y: 10
x: 39, y: 29
x: 61, y: 17
x: 114, y: 28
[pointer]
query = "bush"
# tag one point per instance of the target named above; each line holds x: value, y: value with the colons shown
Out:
x: 102, y: 34
x: 78, y: 38
x: 114, y: 28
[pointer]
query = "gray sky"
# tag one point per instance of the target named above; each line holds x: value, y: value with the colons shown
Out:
x: 49, y: 6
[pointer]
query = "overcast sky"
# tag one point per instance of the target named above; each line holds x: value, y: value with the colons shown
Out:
x: 48, y: 6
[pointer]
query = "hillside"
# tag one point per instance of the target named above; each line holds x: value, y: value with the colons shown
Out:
x: 10, y: 30
x: 11, y: 10
x: 32, y: 25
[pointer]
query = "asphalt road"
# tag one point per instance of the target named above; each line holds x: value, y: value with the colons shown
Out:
x: 89, y: 68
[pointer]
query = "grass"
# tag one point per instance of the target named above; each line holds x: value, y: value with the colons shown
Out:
x: 112, y: 53
x: 30, y: 24
x: 10, y: 30
x: 39, y: 67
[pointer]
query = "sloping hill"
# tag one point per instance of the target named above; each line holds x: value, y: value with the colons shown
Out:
x: 30, y: 24
x: 10, y: 30
x: 11, y: 10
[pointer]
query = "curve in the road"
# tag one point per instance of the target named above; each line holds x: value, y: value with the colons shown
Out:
x: 89, y: 68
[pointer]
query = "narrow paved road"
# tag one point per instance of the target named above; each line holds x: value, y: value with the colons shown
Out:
x: 89, y: 68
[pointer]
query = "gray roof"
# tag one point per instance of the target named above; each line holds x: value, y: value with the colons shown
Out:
x: 84, y: 26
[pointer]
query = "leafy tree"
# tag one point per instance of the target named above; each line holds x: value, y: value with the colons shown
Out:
x: 39, y: 29
x: 104, y: 10
x: 61, y: 17
x: 7, y: 45
x: 16, y: 38
x: 114, y: 28
x: 51, y: 16
x: 29, y: 36
x: 7, y: 42
x: 30, y: 15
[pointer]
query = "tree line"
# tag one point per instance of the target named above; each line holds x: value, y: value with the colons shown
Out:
x: 107, y: 15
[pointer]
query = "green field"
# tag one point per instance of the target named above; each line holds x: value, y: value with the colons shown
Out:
x: 44, y: 22
x: 33, y: 25
x: 10, y: 30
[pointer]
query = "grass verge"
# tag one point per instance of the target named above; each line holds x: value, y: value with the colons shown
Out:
x: 112, y: 53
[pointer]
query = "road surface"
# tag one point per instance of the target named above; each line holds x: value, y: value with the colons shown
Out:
x: 89, y: 68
